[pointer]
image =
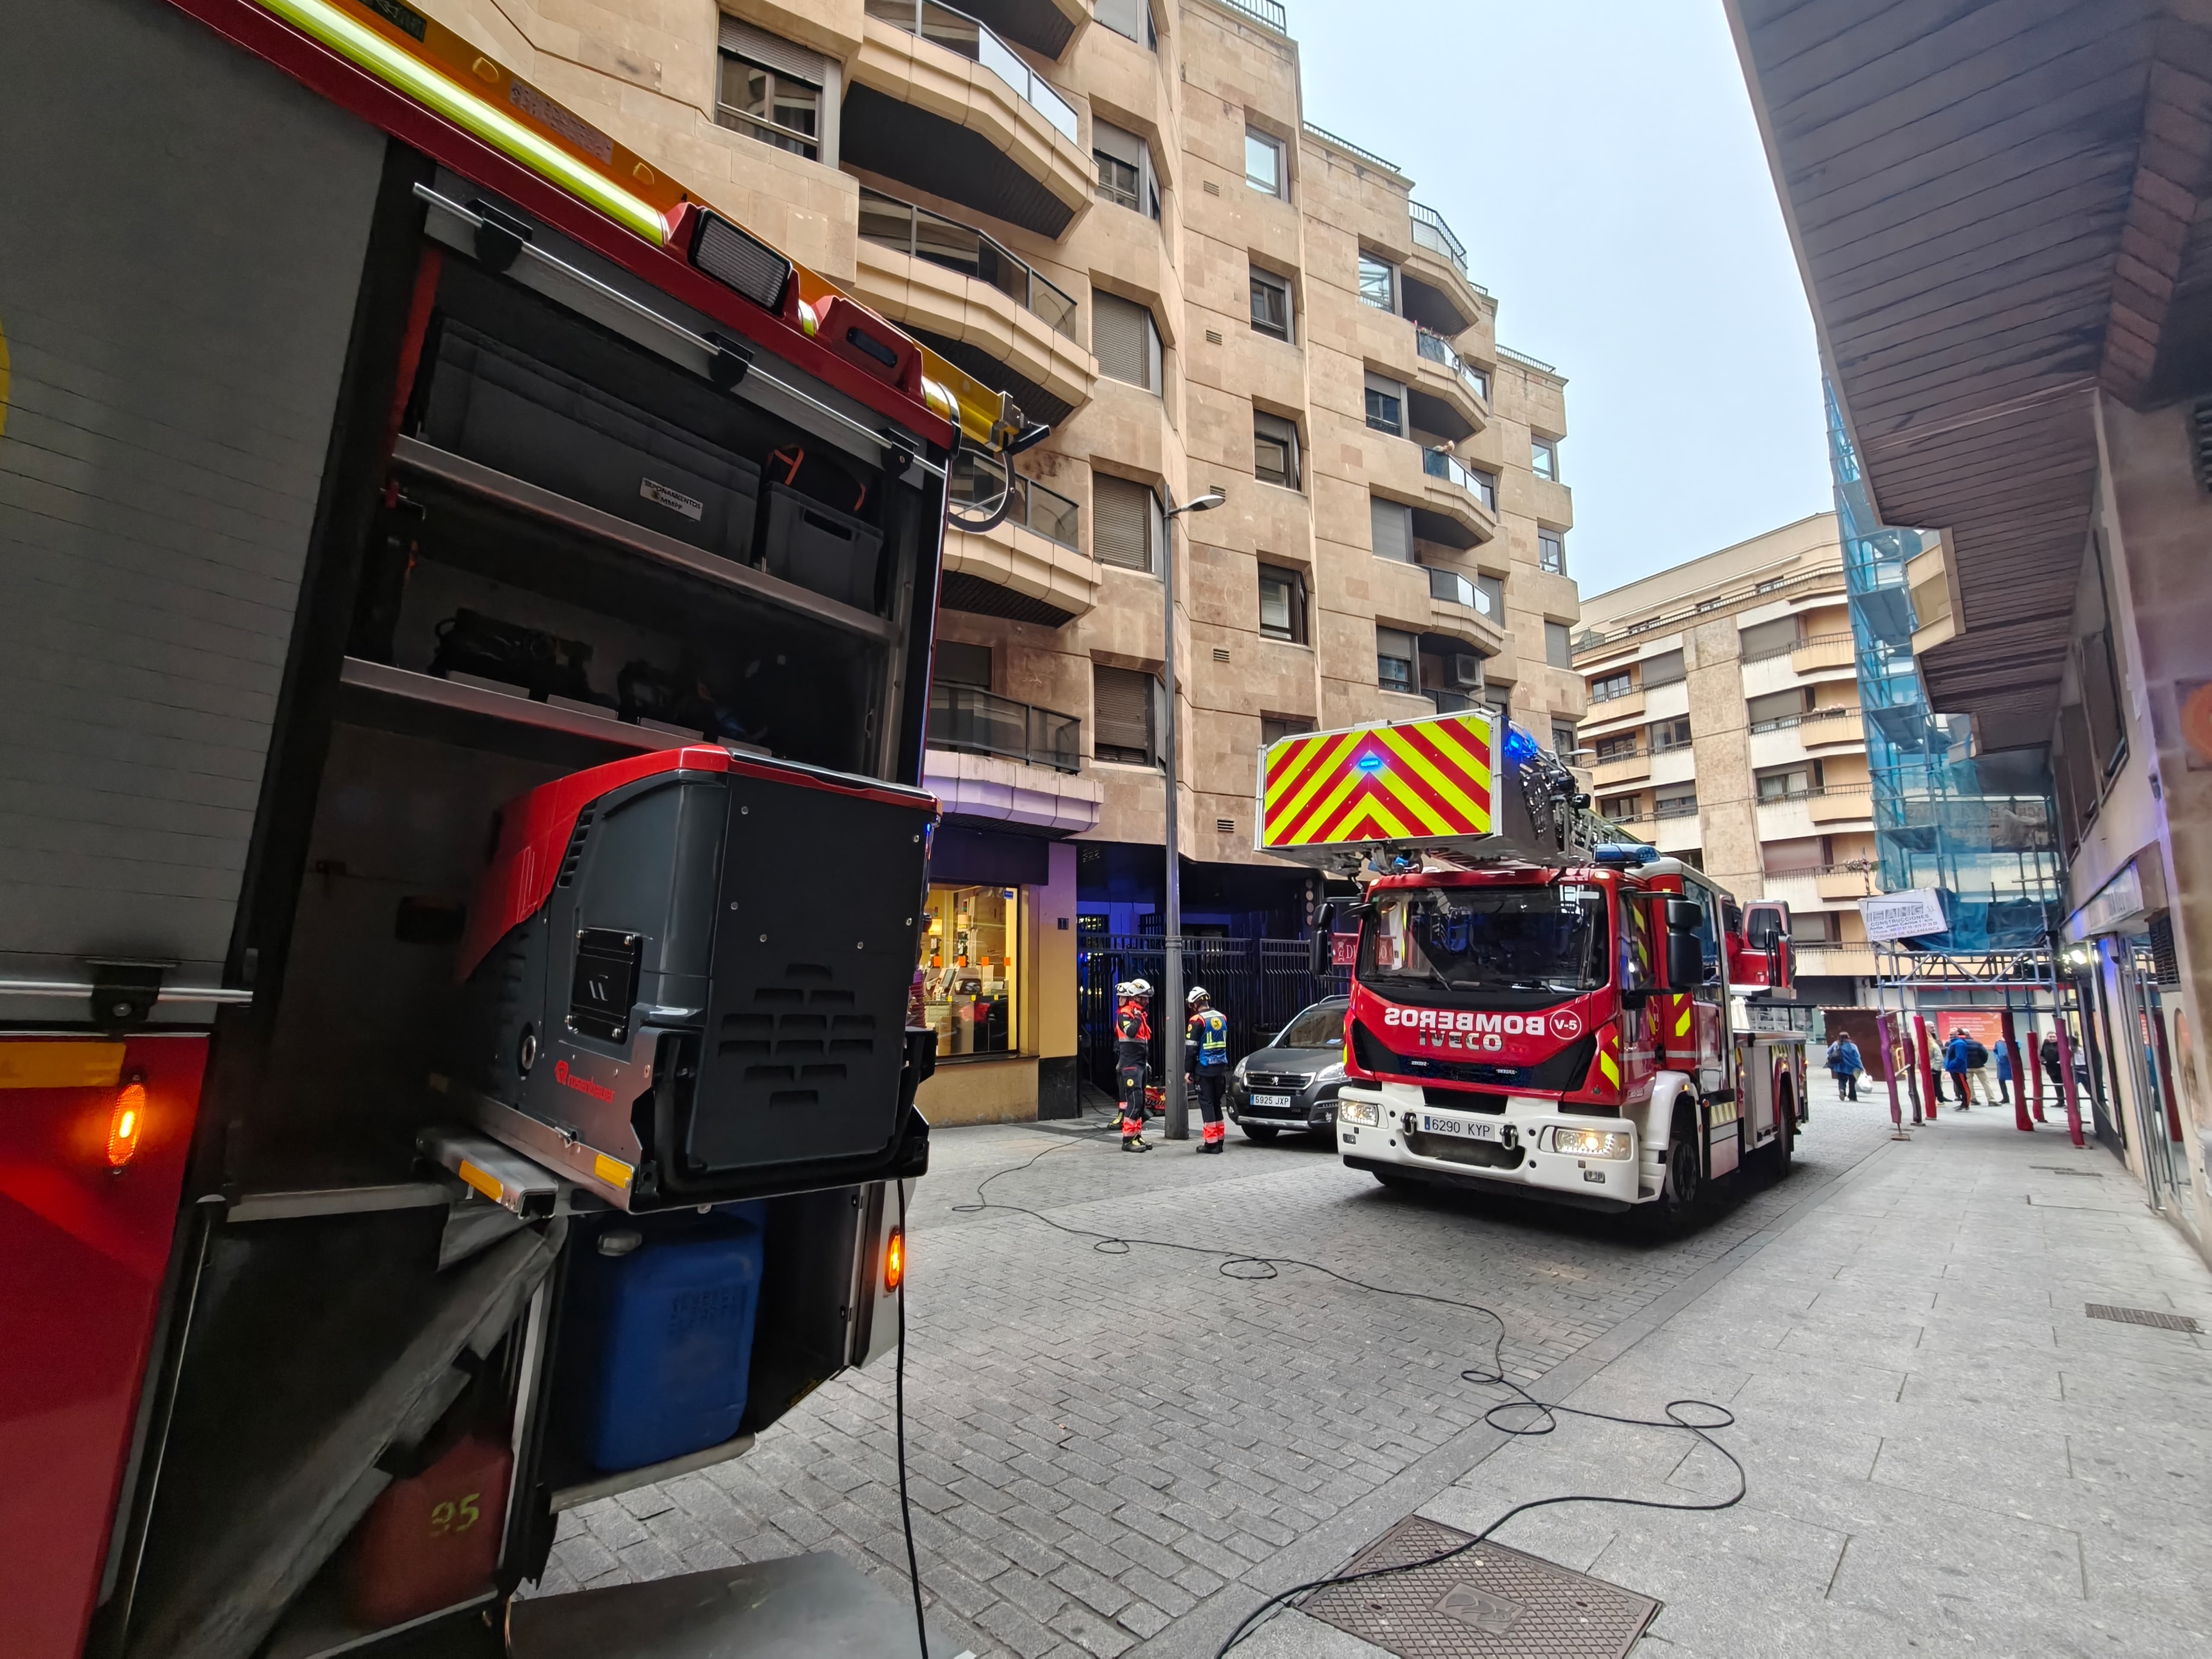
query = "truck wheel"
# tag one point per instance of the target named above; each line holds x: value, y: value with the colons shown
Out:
x: 1262, y: 1132
x: 1394, y: 1180
x: 1682, y: 1195
x: 1783, y: 1146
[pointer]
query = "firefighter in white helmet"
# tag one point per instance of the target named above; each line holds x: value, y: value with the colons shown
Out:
x: 1132, y: 1047
x: 1205, y: 1048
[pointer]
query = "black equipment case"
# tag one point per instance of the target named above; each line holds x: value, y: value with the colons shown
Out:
x: 687, y: 974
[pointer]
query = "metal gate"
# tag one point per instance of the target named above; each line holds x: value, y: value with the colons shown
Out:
x: 1260, y: 983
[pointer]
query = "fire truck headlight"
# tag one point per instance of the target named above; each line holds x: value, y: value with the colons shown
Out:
x: 1589, y: 1143
x: 1357, y: 1111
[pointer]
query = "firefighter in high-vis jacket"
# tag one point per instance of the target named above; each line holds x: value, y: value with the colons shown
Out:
x: 1132, y: 1042
x: 1206, y: 1042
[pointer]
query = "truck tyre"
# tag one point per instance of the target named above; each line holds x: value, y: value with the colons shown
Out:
x: 1395, y: 1180
x: 1783, y: 1146
x: 1262, y: 1132
x: 1682, y: 1194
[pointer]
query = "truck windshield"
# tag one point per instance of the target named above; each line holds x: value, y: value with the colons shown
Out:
x: 1494, y: 938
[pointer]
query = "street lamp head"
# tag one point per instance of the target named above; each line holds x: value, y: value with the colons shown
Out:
x: 1205, y: 504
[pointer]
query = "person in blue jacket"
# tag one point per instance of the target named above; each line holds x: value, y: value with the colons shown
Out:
x: 1206, y: 1045
x: 1845, y: 1064
x: 2004, y: 1073
x: 1954, y: 1062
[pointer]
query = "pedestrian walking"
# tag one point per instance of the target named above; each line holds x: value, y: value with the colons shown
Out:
x: 1978, y: 1070
x: 1954, y: 1065
x: 1845, y: 1064
x: 1206, y: 1045
x: 1132, y: 1047
x: 2004, y: 1073
x: 2049, y: 1054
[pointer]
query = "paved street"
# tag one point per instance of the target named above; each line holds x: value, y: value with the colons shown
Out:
x: 1119, y: 1453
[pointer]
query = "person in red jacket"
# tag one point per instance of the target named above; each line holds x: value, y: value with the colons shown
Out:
x: 1133, y: 1040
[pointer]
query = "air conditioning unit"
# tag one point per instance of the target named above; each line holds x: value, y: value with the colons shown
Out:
x: 1467, y: 670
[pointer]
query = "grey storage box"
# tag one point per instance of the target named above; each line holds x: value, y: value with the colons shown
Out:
x: 506, y: 410
x: 819, y: 548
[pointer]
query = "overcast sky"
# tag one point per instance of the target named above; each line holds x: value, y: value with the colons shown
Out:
x: 1599, y: 162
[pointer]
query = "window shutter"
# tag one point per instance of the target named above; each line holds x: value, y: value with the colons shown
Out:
x: 1124, y: 17
x: 1392, y: 529
x: 1122, y: 708
x: 1664, y: 669
x: 1120, y: 143
x: 771, y: 52
x: 1556, y: 649
x: 1774, y: 706
x: 1121, y: 515
x: 1122, y: 337
x: 961, y: 665
x: 1770, y: 638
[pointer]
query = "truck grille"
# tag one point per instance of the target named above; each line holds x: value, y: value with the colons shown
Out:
x: 1484, y: 1154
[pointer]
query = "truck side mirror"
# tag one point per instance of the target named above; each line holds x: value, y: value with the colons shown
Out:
x: 1764, y: 926
x: 1685, y: 958
x: 1684, y: 915
x: 1324, y: 928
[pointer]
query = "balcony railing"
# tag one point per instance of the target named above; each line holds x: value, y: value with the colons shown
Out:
x: 1762, y: 654
x: 1443, y: 463
x: 915, y: 231
x: 1810, y: 716
x: 1438, y: 350
x: 1430, y: 232
x: 1811, y: 792
x: 1346, y: 144
x: 972, y: 480
x: 1455, y: 589
x: 1674, y: 809
x: 971, y: 721
x: 1269, y: 12
x: 957, y: 32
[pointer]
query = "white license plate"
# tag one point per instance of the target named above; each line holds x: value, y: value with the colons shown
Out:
x: 1271, y: 1103
x: 1452, y: 1125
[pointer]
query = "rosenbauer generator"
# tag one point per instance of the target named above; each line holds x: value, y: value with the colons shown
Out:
x: 1536, y: 1006
x: 468, y: 609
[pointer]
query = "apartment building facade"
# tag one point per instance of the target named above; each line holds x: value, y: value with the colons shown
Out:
x: 1724, y: 728
x: 1117, y: 212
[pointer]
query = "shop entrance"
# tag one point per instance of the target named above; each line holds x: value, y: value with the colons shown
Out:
x: 1258, y: 982
x: 2142, y: 1040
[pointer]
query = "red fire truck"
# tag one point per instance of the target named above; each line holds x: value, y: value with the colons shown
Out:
x: 462, y: 592
x: 1537, y: 1006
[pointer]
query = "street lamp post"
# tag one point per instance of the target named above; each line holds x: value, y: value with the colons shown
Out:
x: 1171, y: 923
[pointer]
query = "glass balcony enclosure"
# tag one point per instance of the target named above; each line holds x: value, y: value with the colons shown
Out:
x: 974, y: 480
x: 957, y: 32
x: 888, y: 222
x: 1443, y: 463
x: 1438, y: 350
x: 1451, y: 587
x: 971, y: 721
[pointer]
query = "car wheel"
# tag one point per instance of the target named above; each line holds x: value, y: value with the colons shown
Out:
x: 1262, y: 1132
x: 1682, y: 1194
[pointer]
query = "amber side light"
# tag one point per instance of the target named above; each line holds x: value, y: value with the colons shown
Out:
x: 895, y: 1261
x: 126, y: 1123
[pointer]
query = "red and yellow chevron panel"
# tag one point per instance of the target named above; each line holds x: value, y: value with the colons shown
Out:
x: 1414, y: 781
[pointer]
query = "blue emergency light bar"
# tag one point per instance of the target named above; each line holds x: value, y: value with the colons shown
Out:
x: 1624, y: 851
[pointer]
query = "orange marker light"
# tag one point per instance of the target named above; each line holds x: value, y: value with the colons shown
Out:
x: 895, y: 1261
x: 126, y: 1123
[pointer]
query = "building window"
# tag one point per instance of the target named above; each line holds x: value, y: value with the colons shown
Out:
x: 1665, y: 669
x: 1125, y: 168
x: 1778, y: 710
x: 1378, y: 282
x: 1670, y: 734
x: 1544, y: 458
x: 1479, y: 378
x: 1558, y: 648
x: 1282, y: 604
x: 1127, y: 524
x: 1485, y: 485
x: 1274, y: 450
x: 1812, y: 927
x: 1123, y: 715
x: 1493, y: 592
x: 772, y: 89
x: 955, y: 664
x: 1792, y: 783
x: 1563, y: 740
x: 1126, y: 340
x: 1130, y: 19
x: 1397, y: 659
x: 1678, y: 800
x: 1605, y: 690
x: 1390, y: 525
x: 1263, y: 163
x: 1271, y: 303
x: 1621, y: 809
x: 1552, y: 551
x: 970, y: 969
x: 1619, y: 748
x: 1273, y: 728
x: 1760, y: 640
x: 1385, y: 405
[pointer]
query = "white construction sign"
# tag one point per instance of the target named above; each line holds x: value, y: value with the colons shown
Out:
x: 1903, y: 915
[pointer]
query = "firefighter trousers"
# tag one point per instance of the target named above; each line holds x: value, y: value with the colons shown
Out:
x: 1130, y: 1076
x: 1207, y: 1085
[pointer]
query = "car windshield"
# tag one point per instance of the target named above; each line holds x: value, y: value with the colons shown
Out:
x: 1320, y: 1026
x: 1488, y: 938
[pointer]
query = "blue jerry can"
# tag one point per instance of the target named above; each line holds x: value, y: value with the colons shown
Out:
x: 672, y: 1321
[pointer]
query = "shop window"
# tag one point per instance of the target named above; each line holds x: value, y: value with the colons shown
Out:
x: 970, y: 966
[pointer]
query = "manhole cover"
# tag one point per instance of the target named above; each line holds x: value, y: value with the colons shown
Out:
x: 2165, y: 1321
x: 1487, y: 1602
x: 2060, y: 1168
